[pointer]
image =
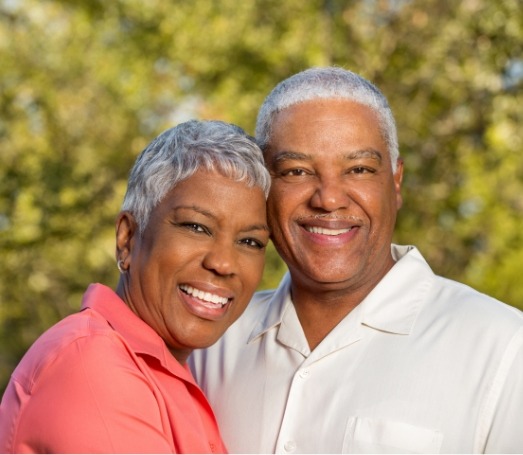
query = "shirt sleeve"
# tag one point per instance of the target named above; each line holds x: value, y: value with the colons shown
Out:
x: 92, y: 398
x: 506, y: 408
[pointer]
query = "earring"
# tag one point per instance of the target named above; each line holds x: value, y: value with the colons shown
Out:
x: 119, y: 264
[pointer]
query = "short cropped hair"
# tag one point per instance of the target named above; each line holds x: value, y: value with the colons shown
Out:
x: 176, y: 154
x: 327, y: 83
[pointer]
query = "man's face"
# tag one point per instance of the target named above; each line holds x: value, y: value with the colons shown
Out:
x: 334, y: 197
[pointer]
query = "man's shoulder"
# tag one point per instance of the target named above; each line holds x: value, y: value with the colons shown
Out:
x: 267, y: 302
x: 452, y: 297
x: 261, y: 298
x: 261, y: 304
x: 265, y: 306
x: 454, y: 300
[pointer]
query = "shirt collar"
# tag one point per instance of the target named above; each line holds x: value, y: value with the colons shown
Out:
x: 141, y: 337
x: 392, y: 306
x: 277, y: 305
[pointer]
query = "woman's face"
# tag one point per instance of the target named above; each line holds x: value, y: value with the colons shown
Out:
x: 200, y: 258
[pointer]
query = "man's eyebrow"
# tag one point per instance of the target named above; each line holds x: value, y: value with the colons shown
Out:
x: 285, y: 156
x: 365, y: 153
x: 371, y: 153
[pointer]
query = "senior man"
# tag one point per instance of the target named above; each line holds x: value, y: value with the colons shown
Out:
x: 362, y: 348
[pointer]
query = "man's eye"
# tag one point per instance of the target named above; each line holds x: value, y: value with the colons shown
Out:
x: 293, y: 172
x: 361, y: 170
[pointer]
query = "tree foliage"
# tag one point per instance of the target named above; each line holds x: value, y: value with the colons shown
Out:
x: 86, y: 84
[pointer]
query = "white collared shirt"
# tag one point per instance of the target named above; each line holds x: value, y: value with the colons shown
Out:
x: 422, y: 365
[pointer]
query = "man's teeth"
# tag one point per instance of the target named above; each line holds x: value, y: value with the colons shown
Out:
x: 319, y: 230
x: 205, y: 296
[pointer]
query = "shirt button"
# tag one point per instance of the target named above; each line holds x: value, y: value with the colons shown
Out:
x: 304, y: 374
x: 289, y: 446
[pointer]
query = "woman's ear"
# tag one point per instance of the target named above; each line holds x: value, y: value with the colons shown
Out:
x: 126, y: 232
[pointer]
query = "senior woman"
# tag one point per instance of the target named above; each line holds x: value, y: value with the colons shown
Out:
x: 190, y: 247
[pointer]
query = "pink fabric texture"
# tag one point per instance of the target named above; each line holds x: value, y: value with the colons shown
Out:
x: 102, y: 380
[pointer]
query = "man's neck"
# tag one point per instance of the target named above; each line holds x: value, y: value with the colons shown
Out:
x: 320, y: 312
x: 322, y: 306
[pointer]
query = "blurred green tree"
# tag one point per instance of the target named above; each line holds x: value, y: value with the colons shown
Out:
x: 86, y: 84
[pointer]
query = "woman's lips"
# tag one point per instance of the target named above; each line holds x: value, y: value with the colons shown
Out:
x: 207, y: 298
x: 204, y: 304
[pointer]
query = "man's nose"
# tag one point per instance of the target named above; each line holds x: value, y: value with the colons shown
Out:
x: 330, y: 195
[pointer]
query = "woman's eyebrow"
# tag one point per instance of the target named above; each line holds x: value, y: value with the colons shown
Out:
x: 194, y: 208
x: 256, y: 227
x: 204, y: 212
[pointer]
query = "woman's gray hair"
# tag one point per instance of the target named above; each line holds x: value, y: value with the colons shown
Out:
x: 176, y: 154
x: 327, y: 83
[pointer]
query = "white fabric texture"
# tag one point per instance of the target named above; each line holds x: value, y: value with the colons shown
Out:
x: 423, y: 365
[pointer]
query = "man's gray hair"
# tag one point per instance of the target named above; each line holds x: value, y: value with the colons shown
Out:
x: 176, y: 154
x: 328, y: 83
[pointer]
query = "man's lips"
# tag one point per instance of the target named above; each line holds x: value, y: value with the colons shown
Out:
x: 322, y: 227
x: 329, y: 224
x: 325, y: 231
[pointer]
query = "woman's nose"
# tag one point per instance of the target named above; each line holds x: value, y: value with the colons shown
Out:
x: 221, y: 259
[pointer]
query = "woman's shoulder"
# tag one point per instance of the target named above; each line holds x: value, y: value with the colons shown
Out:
x: 84, y: 335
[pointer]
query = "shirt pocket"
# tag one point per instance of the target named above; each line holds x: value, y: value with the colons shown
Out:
x: 364, y: 435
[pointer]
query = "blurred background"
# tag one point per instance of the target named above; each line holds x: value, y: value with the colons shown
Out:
x: 86, y: 84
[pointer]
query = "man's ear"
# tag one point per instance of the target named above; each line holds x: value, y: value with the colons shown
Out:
x: 126, y: 232
x: 398, y: 179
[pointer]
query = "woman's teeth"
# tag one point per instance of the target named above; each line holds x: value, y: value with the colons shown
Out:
x: 204, y: 296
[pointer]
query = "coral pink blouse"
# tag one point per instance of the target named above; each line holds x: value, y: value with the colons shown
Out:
x: 102, y: 380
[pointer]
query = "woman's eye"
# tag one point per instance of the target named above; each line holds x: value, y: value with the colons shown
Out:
x: 195, y: 227
x: 253, y: 243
